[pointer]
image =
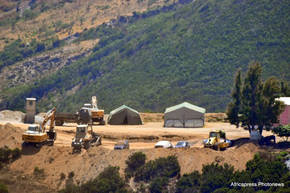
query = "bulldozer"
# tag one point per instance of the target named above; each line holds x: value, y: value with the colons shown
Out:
x: 38, y: 135
x: 85, y: 138
x: 217, y: 140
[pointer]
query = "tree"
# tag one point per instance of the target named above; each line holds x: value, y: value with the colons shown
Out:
x: 134, y: 162
x: 252, y: 97
x: 234, y: 106
x: 285, y: 89
x: 271, y: 107
x: 282, y: 131
x: 189, y: 183
x: 255, y: 107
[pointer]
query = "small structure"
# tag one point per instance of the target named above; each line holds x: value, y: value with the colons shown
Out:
x: 30, y: 110
x: 284, y: 118
x: 124, y: 115
x: 184, y: 115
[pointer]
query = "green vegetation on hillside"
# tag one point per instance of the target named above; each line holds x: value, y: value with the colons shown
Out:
x: 266, y: 172
x: 18, y: 50
x: 185, y: 52
x: 8, y: 155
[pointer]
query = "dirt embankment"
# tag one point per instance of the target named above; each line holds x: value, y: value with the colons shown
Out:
x: 58, y: 160
x: 12, y: 116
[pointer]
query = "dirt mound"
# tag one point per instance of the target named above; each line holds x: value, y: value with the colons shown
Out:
x: 10, y: 136
x: 12, y: 116
x: 152, y: 117
x: 215, y: 117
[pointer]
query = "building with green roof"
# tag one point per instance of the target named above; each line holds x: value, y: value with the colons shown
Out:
x: 124, y: 115
x: 184, y: 115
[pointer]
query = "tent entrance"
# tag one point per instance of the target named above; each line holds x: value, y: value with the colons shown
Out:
x: 125, y: 121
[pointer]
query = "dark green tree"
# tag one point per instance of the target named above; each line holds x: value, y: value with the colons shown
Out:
x: 285, y: 89
x: 234, y: 106
x: 134, y: 162
x: 271, y: 108
x: 255, y: 107
x: 189, y: 183
x: 252, y: 97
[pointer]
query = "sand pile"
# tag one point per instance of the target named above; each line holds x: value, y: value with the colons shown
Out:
x: 12, y: 116
x: 215, y: 117
x: 10, y: 136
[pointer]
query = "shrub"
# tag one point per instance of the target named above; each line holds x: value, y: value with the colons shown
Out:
x: 107, y: 181
x: 189, y: 182
x: 263, y: 170
x: 134, y: 162
x: 162, y: 167
x: 282, y: 131
x: 38, y: 172
x: 9, y: 155
x: 71, y: 174
x: 3, y: 188
x: 158, y: 185
x: 215, y: 176
x: 62, y: 176
x: 15, y: 153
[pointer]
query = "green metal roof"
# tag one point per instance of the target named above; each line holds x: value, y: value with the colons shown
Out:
x: 186, y: 105
x: 121, y: 108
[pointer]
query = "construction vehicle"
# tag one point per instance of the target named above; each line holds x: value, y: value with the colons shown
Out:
x: 217, y: 140
x: 95, y: 114
x: 85, y: 139
x: 38, y: 135
x: 60, y: 118
x: 88, y: 114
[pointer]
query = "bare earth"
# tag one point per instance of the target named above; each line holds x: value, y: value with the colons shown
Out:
x: 86, y: 165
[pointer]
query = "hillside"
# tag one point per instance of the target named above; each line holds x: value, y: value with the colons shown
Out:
x: 186, y: 51
x: 41, y: 19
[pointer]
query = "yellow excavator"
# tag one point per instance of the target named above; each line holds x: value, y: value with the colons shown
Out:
x: 38, y: 135
x: 217, y: 140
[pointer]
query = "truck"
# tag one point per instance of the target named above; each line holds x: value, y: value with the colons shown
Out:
x: 88, y: 114
x: 85, y: 138
x: 217, y: 140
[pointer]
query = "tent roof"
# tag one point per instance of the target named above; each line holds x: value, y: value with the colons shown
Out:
x: 121, y: 108
x: 286, y: 100
x: 186, y: 105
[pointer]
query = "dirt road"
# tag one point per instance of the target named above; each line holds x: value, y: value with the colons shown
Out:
x: 145, y: 136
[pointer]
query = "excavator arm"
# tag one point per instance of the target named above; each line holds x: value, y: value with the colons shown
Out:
x: 50, y: 115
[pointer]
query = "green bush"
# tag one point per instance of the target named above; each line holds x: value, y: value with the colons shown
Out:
x: 162, y: 167
x: 158, y: 185
x: 282, y: 131
x: 189, y: 183
x: 215, y: 176
x: 134, y: 162
x: 38, y: 172
x: 107, y: 181
x: 3, y: 188
x: 9, y: 155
